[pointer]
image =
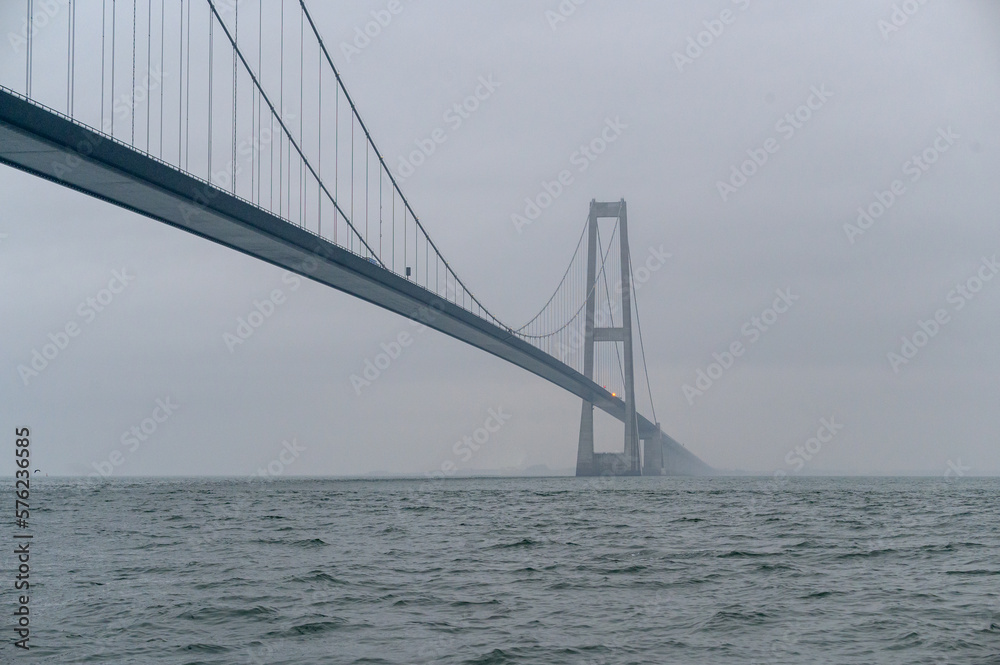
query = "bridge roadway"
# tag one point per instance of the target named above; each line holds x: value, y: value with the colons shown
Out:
x: 49, y: 145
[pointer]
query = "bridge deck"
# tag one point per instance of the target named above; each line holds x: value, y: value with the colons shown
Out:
x: 48, y: 145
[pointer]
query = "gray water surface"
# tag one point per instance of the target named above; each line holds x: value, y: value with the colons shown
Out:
x: 539, y: 570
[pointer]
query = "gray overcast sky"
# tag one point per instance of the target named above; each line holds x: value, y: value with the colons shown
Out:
x: 884, y: 97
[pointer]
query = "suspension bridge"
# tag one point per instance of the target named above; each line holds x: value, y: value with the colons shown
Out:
x: 228, y: 119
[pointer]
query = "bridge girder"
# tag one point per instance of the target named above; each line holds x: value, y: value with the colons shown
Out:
x: 48, y: 145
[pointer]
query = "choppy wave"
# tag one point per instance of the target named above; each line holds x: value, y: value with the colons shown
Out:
x: 541, y: 570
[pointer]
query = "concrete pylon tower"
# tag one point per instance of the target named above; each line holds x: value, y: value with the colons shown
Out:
x: 589, y: 463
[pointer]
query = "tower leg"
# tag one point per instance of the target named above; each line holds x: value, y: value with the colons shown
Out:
x: 631, y: 425
x: 652, y: 455
x: 585, y: 451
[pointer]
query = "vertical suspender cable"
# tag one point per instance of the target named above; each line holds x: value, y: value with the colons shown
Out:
x: 270, y: 158
x: 319, y: 122
x: 380, y: 213
x: 163, y: 16
x: 281, y: 105
x: 114, y: 23
x: 72, y: 109
x: 187, y: 94
x: 132, y: 100
x: 394, y: 235
x: 352, y: 177
x: 69, y: 57
x: 211, y: 70
x: 258, y: 128
x: 270, y: 165
x: 302, y: 112
x: 104, y: 19
x: 180, y: 83
x: 149, y: 55
x: 72, y: 82
x: 28, y: 51
x: 236, y: 32
x: 367, y: 196
x: 336, y: 158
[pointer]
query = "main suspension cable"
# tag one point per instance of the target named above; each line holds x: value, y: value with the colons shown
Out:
x: 573, y: 318
x: 642, y: 349
x: 579, y: 243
